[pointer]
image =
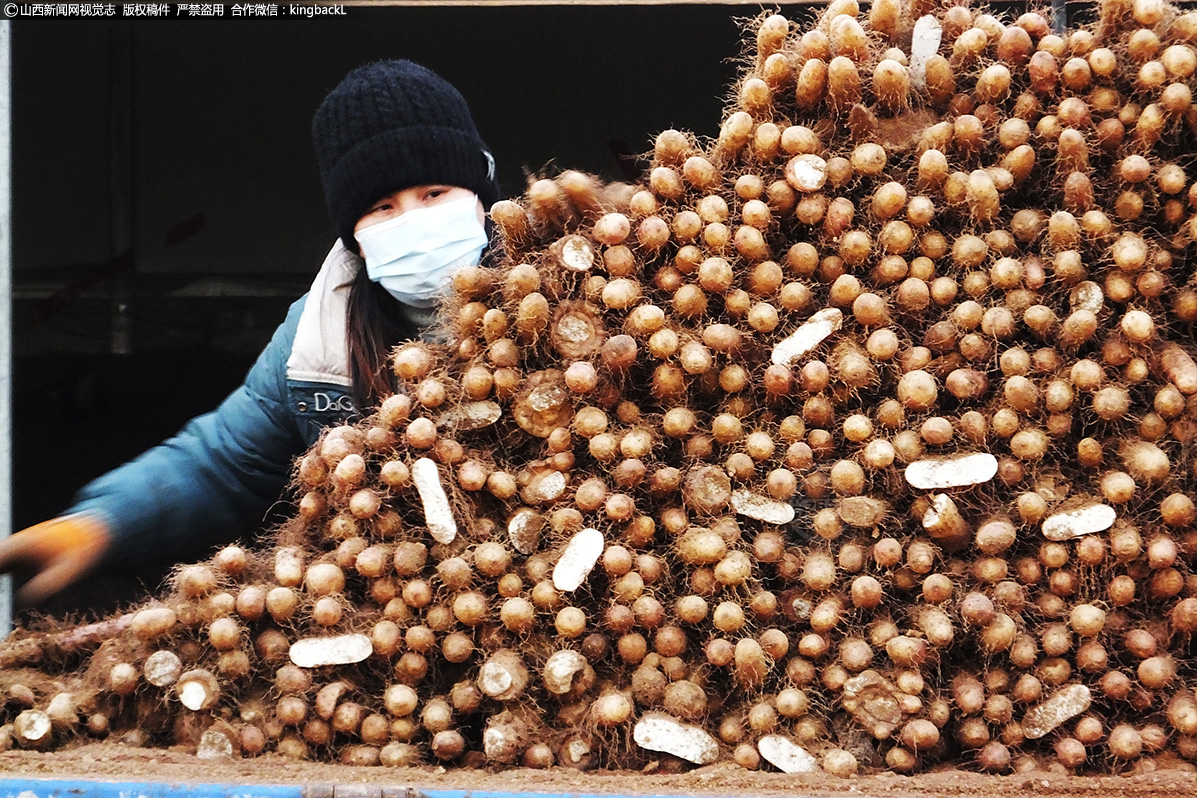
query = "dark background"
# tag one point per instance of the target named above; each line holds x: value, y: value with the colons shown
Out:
x: 167, y: 207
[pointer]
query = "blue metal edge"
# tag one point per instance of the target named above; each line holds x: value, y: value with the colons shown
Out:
x: 51, y: 788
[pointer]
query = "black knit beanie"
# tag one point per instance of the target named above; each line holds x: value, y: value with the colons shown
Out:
x: 391, y: 125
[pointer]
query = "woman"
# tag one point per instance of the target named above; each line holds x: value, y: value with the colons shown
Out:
x: 407, y: 180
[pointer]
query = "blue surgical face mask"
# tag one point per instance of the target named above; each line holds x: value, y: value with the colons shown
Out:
x: 413, y: 256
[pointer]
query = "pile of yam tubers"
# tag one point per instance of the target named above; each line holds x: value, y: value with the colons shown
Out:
x: 860, y: 437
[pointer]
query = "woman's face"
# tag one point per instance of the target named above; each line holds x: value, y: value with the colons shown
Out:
x: 407, y: 199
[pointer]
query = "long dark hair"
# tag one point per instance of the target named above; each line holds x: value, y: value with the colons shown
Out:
x: 374, y: 326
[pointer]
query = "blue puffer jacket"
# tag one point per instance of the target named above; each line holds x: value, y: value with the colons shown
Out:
x: 220, y: 474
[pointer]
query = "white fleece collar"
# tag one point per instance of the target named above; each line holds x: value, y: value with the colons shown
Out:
x: 320, y: 352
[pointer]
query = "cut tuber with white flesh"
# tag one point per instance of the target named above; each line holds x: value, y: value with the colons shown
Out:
x: 761, y: 508
x: 1079, y: 522
x: 707, y: 488
x: 162, y: 668
x: 951, y: 472
x: 577, y: 752
x: 657, y: 731
x: 523, y: 529
x: 506, y: 736
x: 943, y: 520
x: 862, y: 512
x: 873, y: 701
x: 806, y: 339
x: 1062, y: 706
x: 197, y: 689
x: 1087, y: 296
x: 32, y: 729
x: 785, y: 755
x: 471, y: 416
x: 543, y: 404
x: 577, y: 560
x: 575, y: 253
x: 215, y: 743
x: 544, y: 486
x: 560, y: 670
x: 438, y: 516
x: 806, y: 173
x: 504, y: 676
x: 315, y: 652
x: 924, y: 43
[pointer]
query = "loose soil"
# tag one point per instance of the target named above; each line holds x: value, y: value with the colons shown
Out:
x: 110, y: 762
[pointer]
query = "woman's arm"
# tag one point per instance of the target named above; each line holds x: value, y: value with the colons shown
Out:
x: 213, y: 479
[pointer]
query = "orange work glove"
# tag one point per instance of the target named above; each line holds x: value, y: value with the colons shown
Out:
x: 56, y: 552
